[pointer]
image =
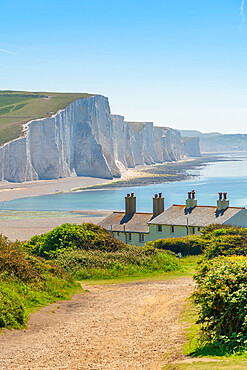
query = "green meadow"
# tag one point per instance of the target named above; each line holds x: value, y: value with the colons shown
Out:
x: 19, y: 107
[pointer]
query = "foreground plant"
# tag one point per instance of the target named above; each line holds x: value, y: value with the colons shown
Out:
x: 28, y: 282
x: 221, y: 295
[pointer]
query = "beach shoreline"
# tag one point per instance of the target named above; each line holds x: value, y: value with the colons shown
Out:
x: 22, y: 225
x: 11, y: 191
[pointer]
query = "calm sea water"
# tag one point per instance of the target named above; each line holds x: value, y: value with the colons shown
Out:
x: 229, y: 176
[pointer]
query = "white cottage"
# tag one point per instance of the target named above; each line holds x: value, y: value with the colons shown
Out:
x: 137, y: 228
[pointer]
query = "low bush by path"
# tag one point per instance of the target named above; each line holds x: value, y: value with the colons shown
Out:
x: 28, y: 282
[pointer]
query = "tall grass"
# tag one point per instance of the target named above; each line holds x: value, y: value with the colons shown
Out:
x: 131, y: 262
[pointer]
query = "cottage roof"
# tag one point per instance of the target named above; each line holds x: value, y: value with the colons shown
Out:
x: 199, y: 216
x: 137, y: 223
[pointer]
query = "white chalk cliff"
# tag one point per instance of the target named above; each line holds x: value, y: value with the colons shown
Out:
x: 85, y: 140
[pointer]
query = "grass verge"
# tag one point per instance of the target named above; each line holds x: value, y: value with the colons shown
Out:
x: 188, y: 267
x: 205, y: 357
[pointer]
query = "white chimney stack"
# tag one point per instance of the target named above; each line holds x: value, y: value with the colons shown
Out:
x: 222, y: 202
x: 191, y: 201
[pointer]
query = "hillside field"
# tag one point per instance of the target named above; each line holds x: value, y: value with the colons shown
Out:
x: 19, y: 107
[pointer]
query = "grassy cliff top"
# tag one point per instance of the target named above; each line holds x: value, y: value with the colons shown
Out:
x: 18, y: 107
x: 136, y: 126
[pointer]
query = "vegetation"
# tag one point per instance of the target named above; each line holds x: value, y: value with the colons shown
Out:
x: 188, y: 246
x: 18, y: 107
x: 73, y: 237
x: 220, y: 295
x: 224, y: 241
x: 213, y: 357
x: 27, y: 282
x: 88, y: 251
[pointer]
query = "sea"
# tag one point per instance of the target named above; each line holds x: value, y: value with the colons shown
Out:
x: 229, y: 175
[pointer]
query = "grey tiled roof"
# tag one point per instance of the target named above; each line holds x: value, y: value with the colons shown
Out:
x: 137, y: 223
x: 198, y: 216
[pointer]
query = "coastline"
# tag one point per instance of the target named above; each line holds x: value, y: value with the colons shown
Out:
x: 140, y: 175
x: 22, y: 225
x: 158, y: 173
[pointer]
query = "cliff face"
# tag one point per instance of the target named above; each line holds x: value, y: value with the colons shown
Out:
x: 191, y: 146
x: 85, y: 140
x: 139, y: 143
x: 217, y: 142
x: 76, y: 141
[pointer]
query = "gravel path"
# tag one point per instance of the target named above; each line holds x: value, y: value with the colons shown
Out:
x: 120, y: 326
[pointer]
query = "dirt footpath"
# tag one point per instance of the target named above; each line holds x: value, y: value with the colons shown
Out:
x: 121, y: 326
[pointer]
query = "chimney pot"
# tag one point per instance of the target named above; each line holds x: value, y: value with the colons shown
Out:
x: 191, y: 202
x: 130, y: 205
x: 158, y: 205
x: 222, y: 204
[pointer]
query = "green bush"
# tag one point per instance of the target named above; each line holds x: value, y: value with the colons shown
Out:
x: 188, y: 246
x: 72, y: 236
x: 224, y: 241
x: 131, y: 261
x: 12, y: 311
x: 221, y: 294
x: 26, y: 282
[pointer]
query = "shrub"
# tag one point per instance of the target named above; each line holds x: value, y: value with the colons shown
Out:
x: 188, y: 246
x: 72, y: 236
x: 26, y: 282
x: 222, y: 298
x: 14, y: 261
x: 12, y: 311
x: 131, y: 261
x: 225, y: 241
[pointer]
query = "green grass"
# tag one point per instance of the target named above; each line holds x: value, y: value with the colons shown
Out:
x: 125, y: 263
x: 188, y: 266
x: 19, y: 107
x: 211, y: 358
x: 136, y: 126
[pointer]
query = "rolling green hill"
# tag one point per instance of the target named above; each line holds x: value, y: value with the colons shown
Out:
x: 18, y: 107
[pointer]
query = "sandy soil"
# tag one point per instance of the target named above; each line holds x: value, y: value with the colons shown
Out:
x: 120, y: 326
x: 9, y: 191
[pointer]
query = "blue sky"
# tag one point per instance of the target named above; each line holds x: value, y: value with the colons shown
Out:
x: 179, y: 63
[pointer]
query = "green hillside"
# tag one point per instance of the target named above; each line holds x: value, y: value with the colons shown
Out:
x: 18, y: 107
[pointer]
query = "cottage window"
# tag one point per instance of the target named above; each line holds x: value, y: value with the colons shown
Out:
x: 172, y: 229
x: 118, y: 233
x: 193, y: 230
x: 129, y: 237
x: 159, y: 228
x: 141, y: 238
x: 198, y: 228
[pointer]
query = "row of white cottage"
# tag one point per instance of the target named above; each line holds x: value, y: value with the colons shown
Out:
x: 138, y: 228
